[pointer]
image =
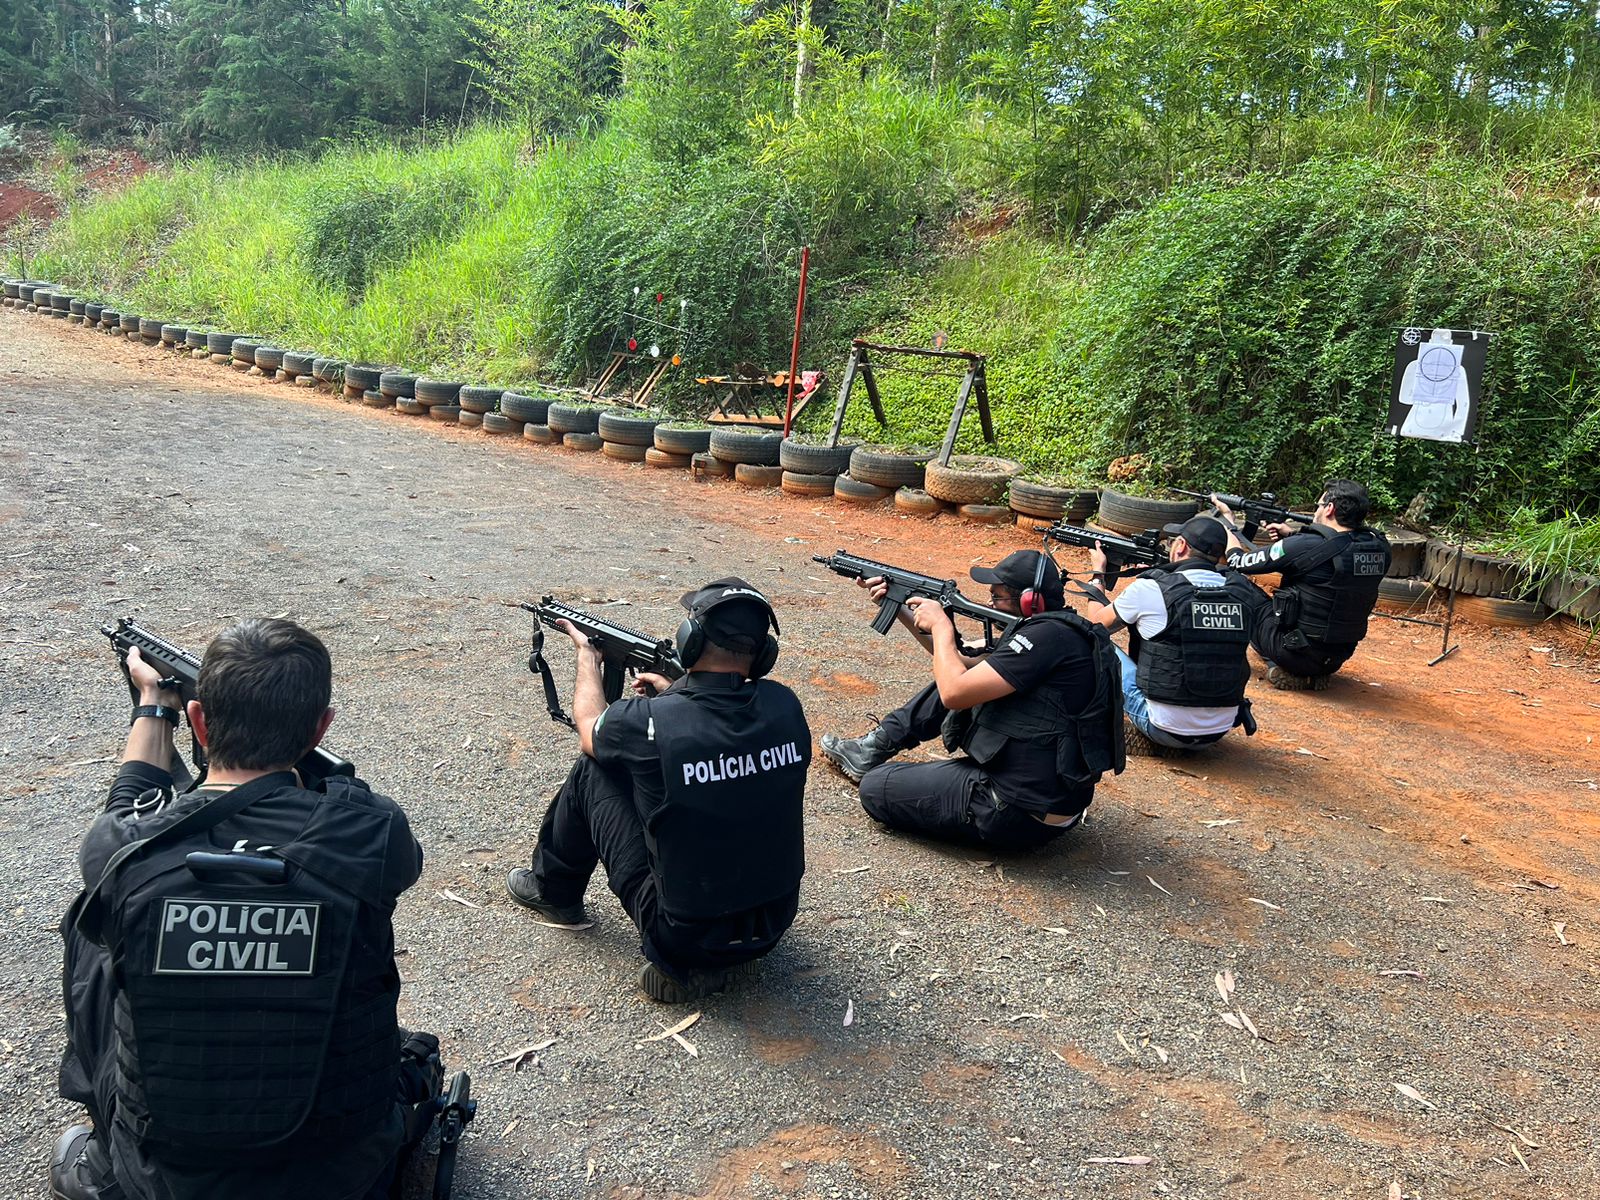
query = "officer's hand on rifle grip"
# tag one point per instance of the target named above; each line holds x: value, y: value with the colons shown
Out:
x: 148, y: 682
x: 878, y: 589
x: 648, y: 683
x: 1097, y: 559
x: 928, y: 615
x: 580, y: 640
x: 1278, y: 532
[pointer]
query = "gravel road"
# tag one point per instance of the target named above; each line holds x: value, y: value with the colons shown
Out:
x: 1383, y: 869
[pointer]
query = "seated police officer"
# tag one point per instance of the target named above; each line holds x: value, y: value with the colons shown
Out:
x: 691, y: 795
x: 1039, y: 720
x: 231, y: 1026
x: 1331, y: 571
x: 1188, y: 630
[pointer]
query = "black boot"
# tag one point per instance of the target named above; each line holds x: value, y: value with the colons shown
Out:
x: 74, y: 1173
x: 522, y: 887
x: 856, y: 756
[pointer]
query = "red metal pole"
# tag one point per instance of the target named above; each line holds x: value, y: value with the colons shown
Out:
x: 794, y: 348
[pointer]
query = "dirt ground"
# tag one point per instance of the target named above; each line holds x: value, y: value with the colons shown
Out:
x: 1399, y: 873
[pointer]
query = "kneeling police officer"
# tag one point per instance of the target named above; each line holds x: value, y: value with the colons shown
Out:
x: 691, y: 795
x: 1189, y: 626
x: 1038, y: 720
x: 1331, y: 571
x: 230, y: 981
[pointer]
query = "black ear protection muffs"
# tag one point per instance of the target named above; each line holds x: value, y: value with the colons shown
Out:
x: 691, y: 639
x: 1032, y: 600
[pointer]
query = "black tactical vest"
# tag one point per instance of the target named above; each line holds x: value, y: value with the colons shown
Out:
x: 1086, y: 730
x: 729, y: 837
x: 1198, y: 659
x: 252, y: 1022
x: 1335, y: 611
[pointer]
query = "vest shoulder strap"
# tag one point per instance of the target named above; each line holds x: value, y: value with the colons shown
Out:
x: 1332, y: 546
x: 198, y: 820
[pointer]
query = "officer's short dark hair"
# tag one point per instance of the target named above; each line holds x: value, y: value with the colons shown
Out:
x: 264, y: 685
x: 1350, y: 501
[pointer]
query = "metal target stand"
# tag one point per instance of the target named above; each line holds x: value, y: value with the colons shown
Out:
x: 634, y: 352
x: 974, y: 385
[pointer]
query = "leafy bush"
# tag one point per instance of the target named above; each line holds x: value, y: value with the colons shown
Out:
x: 355, y: 226
x: 1243, y: 335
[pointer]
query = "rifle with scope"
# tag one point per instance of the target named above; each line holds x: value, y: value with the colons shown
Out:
x: 622, y: 651
x: 1258, y: 510
x: 903, y: 584
x: 180, y: 672
x: 1140, y: 550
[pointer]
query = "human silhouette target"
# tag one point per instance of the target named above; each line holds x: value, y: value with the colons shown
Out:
x: 1438, y: 381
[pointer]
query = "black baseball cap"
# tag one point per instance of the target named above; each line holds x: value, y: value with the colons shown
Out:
x: 1017, y: 571
x: 740, y: 608
x: 1205, y: 535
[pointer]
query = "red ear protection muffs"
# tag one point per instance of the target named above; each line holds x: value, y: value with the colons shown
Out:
x: 1032, y: 601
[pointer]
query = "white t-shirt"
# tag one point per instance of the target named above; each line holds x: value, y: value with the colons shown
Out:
x: 1142, y: 607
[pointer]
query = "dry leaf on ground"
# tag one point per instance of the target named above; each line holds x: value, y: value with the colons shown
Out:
x: 1411, y: 1093
x: 849, y: 1012
x: 1521, y: 1137
x: 686, y: 1023
x: 1123, y: 1160
x: 447, y: 894
x: 1520, y: 1159
x: 1225, y: 985
x: 519, y: 1057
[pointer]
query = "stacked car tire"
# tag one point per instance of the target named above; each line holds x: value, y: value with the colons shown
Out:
x: 627, y: 435
x: 811, y: 467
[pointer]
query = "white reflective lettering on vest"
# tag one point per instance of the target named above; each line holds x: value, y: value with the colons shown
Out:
x: 1369, y: 562
x: 1214, y: 614
x: 739, y: 766
x: 283, y: 938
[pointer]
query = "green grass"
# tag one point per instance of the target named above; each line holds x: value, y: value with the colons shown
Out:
x: 1004, y: 296
x: 227, y: 246
x: 1238, y: 331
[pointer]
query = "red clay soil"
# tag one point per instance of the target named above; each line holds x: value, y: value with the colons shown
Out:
x: 18, y: 201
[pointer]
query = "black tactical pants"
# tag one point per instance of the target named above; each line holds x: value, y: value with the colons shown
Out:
x: 593, y: 820
x: 1310, y: 660
x: 951, y: 799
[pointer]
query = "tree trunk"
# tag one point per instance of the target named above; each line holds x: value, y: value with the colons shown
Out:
x: 1480, y: 73
x: 803, y: 67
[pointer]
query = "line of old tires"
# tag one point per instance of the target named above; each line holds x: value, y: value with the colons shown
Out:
x: 1489, y: 589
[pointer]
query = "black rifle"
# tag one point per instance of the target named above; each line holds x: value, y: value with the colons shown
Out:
x: 1258, y: 511
x: 180, y: 672
x: 621, y: 650
x: 1141, y: 550
x: 904, y: 584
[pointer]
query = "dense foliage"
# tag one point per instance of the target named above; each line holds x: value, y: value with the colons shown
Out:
x: 235, y: 75
x: 1251, y: 329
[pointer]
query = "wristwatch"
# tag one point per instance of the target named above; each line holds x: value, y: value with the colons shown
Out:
x: 157, y: 710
